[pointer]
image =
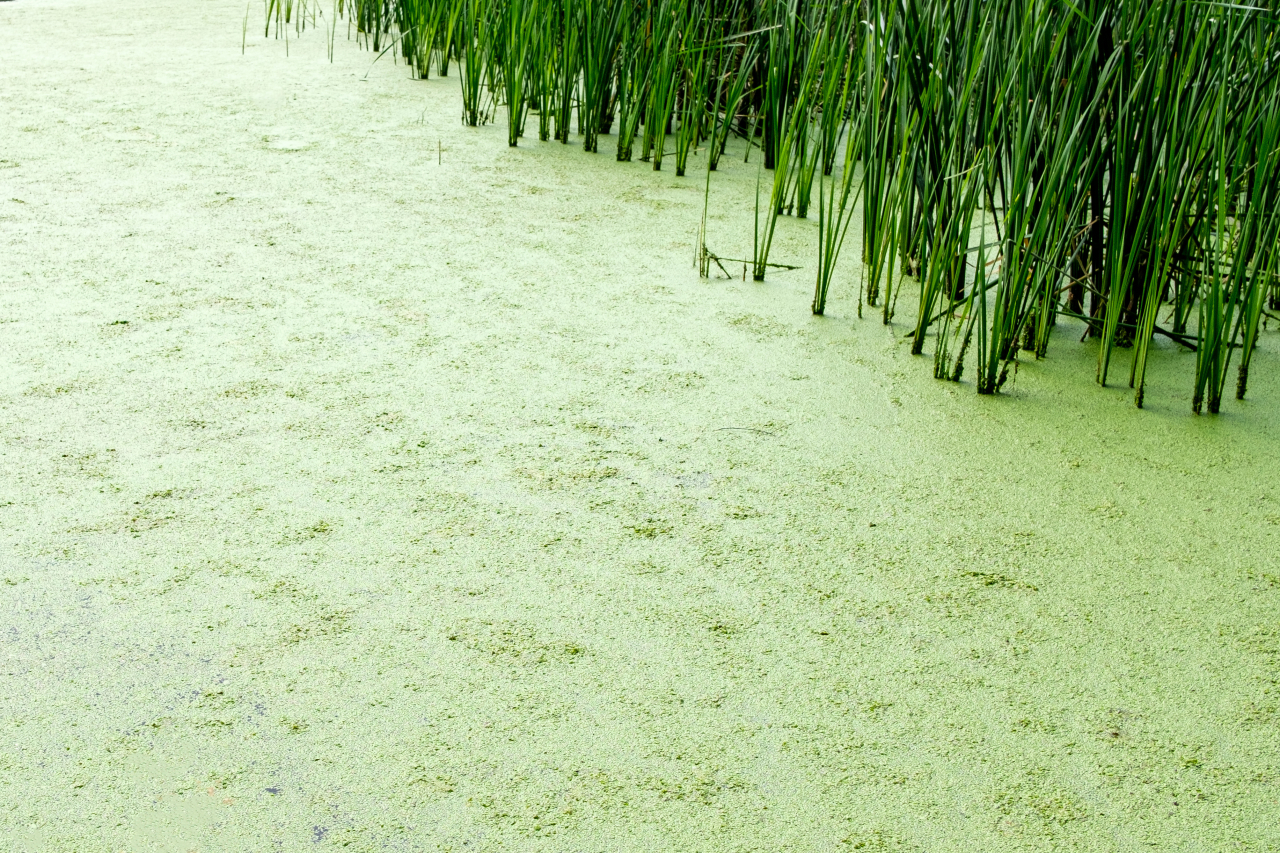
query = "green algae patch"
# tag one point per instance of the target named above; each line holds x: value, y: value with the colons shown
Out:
x: 481, y: 522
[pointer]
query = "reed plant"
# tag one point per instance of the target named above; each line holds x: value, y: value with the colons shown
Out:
x: 664, y: 82
x: 1016, y: 161
x: 837, y: 194
x: 474, y: 40
x: 601, y: 33
x: 735, y: 61
x: 512, y: 58
x: 631, y: 74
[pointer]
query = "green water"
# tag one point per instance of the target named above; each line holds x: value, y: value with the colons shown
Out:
x: 368, y: 483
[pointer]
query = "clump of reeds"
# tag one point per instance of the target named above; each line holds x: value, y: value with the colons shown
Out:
x: 1118, y: 163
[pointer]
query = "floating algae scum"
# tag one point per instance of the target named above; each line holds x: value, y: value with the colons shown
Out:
x: 370, y: 482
